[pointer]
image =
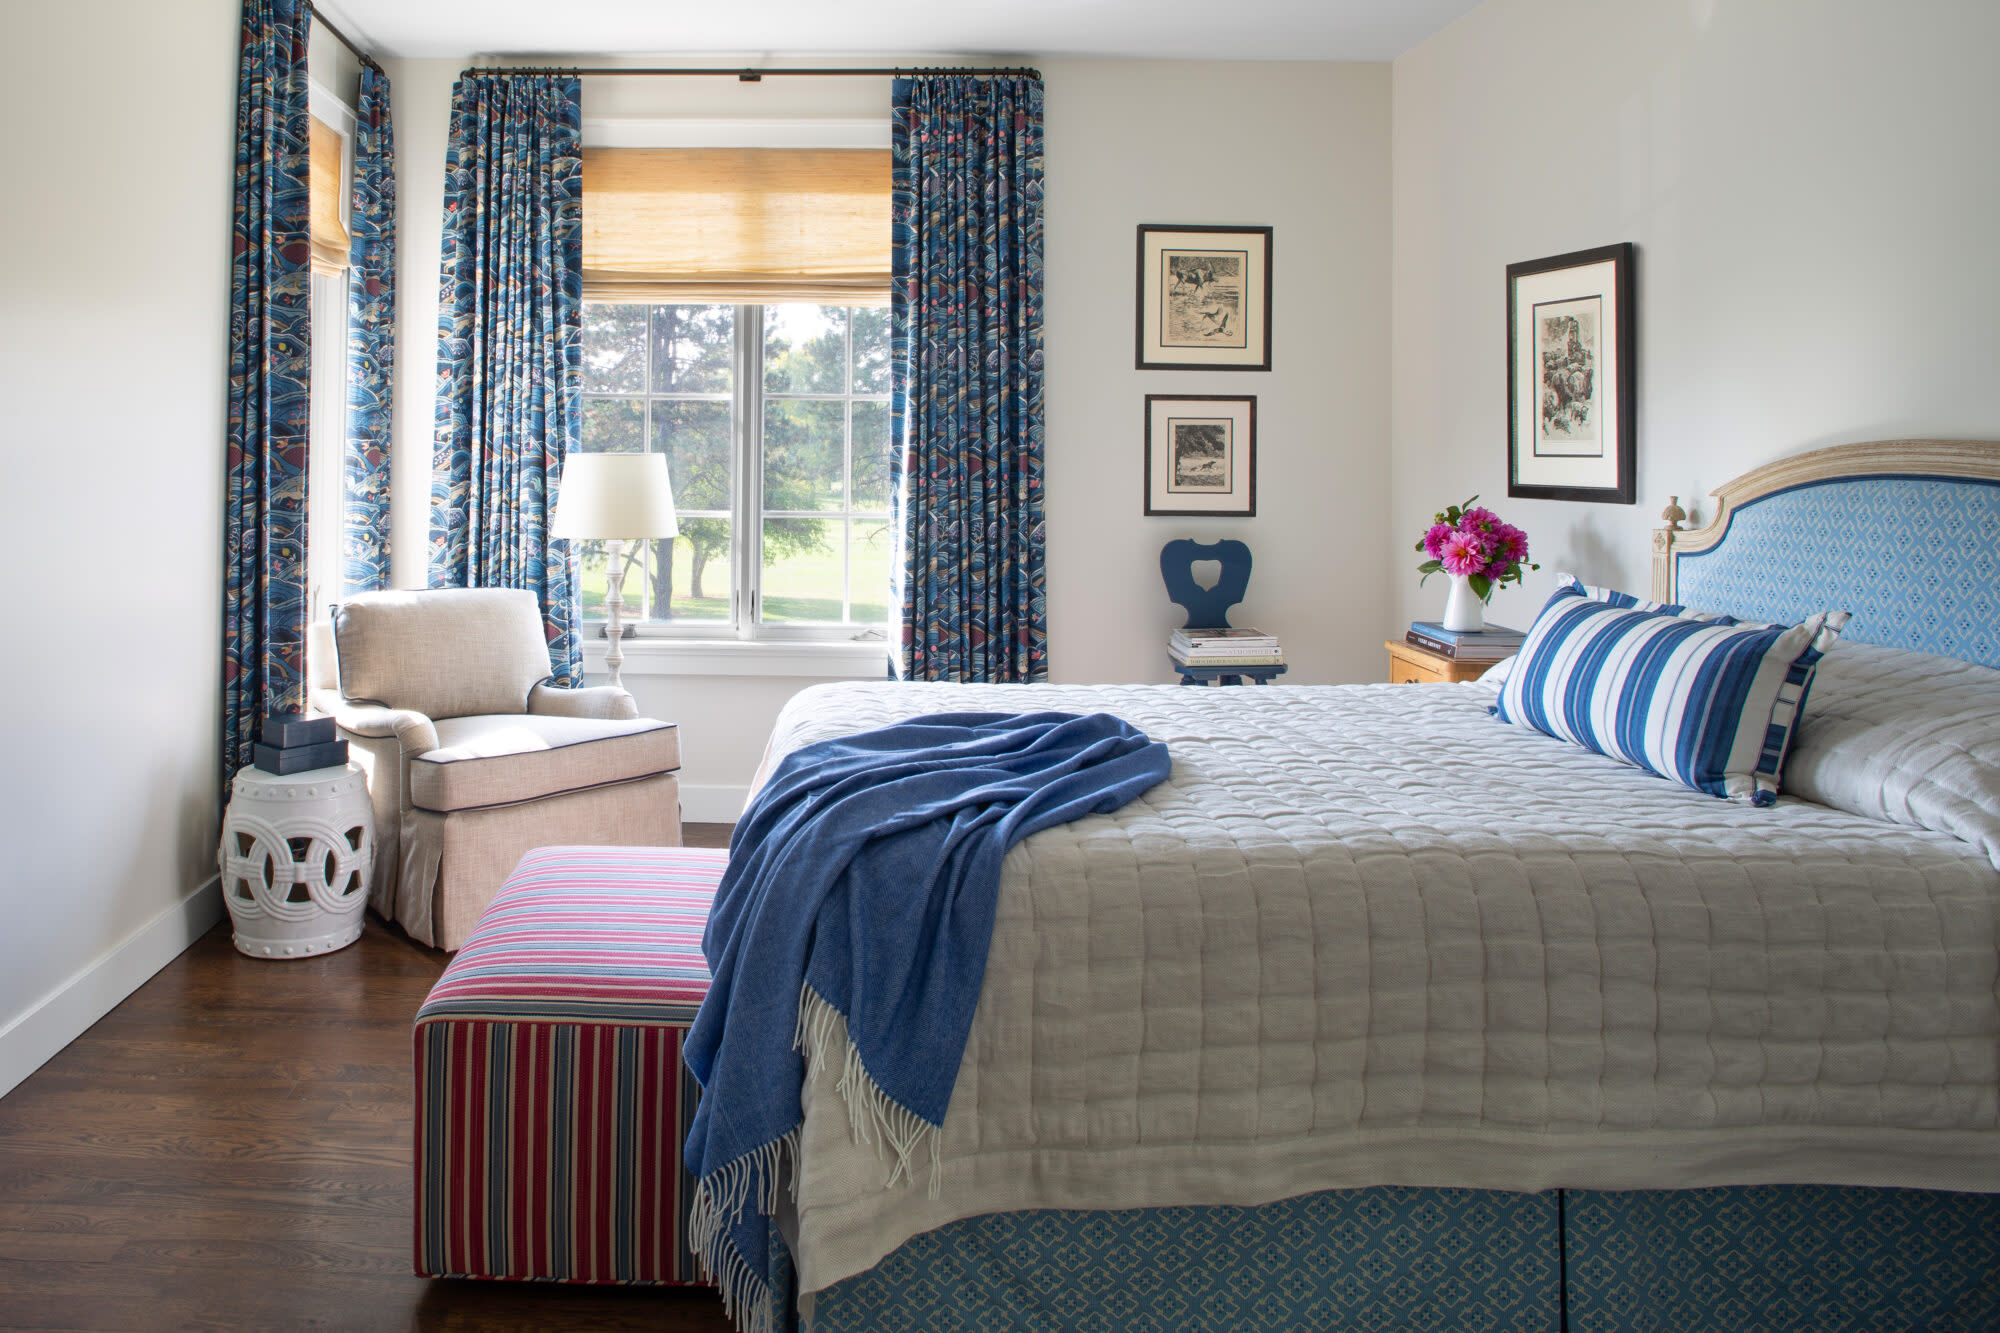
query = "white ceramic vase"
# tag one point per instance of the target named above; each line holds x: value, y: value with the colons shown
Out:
x: 1463, y: 610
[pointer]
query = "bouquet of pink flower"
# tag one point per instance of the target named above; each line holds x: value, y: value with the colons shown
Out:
x: 1470, y: 541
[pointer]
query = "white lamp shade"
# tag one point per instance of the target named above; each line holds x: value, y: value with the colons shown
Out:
x: 626, y: 496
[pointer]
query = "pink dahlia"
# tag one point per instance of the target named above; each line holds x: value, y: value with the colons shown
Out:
x: 1510, y: 545
x: 1480, y: 519
x: 1435, y: 539
x: 1464, y: 553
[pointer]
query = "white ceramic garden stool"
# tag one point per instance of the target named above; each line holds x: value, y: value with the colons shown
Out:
x: 295, y: 855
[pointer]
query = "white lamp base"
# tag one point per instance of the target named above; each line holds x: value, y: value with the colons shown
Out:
x: 614, y: 607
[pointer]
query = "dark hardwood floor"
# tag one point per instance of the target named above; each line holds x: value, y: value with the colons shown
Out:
x: 230, y: 1149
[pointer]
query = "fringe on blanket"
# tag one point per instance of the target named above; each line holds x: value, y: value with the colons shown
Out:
x: 719, y: 1199
x: 873, y: 1117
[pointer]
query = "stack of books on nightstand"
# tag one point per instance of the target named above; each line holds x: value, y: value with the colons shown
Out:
x: 1486, y: 645
x: 1225, y: 648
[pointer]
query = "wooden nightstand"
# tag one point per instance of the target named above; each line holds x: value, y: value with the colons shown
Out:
x: 1411, y: 665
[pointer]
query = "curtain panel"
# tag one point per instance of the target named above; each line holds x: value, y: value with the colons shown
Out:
x: 966, y: 392
x: 270, y: 329
x: 510, y: 316
x: 371, y: 333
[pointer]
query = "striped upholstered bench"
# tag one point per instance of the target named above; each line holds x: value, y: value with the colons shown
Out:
x: 551, y: 1097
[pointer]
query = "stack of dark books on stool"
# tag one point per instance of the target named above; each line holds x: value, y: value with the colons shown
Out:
x: 1485, y: 646
x: 295, y: 743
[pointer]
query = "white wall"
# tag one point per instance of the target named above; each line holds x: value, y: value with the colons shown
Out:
x: 114, y: 245
x: 332, y: 66
x: 1301, y: 148
x: 1126, y: 143
x: 420, y: 109
x: 1812, y: 188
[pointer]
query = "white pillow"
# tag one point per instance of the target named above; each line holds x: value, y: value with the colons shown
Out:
x: 1911, y: 738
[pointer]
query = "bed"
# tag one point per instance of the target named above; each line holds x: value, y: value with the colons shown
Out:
x: 1381, y: 1013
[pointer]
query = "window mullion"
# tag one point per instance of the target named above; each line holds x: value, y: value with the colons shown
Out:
x: 748, y: 463
x: 646, y: 443
x: 847, y: 481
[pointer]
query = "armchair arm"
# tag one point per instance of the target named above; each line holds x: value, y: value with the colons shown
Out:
x: 607, y: 702
x: 413, y: 731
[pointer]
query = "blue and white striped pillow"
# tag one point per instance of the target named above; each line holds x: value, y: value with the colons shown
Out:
x: 1710, y: 704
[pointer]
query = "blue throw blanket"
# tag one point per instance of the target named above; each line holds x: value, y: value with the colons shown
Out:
x: 863, y: 881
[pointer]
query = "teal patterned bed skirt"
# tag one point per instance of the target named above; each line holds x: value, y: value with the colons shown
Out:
x: 1783, y: 1258
x: 1780, y: 1259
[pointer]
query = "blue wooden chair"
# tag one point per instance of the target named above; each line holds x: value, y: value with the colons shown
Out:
x: 1208, y: 608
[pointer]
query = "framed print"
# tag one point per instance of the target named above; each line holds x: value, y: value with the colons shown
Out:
x: 1201, y: 455
x: 1204, y: 298
x: 1571, y: 403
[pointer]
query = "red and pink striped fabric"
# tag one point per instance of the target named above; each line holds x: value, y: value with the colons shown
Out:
x: 551, y: 1096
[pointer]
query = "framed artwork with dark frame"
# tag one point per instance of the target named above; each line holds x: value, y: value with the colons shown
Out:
x: 1204, y: 298
x: 1571, y: 382
x: 1201, y: 455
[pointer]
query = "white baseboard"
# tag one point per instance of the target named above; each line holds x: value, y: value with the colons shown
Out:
x: 67, y: 1012
x: 712, y: 805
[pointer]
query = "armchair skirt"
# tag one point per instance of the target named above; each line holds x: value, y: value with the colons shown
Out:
x: 456, y: 860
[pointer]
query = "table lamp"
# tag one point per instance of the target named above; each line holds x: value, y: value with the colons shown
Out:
x: 616, y: 497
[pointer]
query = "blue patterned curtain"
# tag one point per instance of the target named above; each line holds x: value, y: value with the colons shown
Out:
x: 966, y: 410
x: 510, y: 315
x: 270, y: 330
x: 371, y: 329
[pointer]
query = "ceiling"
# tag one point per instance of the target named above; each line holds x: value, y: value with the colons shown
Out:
x: 1148, y: 29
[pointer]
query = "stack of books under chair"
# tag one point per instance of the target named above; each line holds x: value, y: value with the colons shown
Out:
x: 1209, y: 654
x: 1483, y: 647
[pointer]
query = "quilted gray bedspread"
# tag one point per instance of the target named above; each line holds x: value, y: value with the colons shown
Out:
x: 1369, y: 935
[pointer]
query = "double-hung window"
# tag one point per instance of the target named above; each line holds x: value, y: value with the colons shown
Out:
x: 774, y: 421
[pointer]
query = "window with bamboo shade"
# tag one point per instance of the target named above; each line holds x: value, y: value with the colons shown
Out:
x: 327, y: 186
x: 736, y: 225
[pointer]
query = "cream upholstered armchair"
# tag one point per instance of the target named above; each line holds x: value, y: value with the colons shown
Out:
x: 473, y: 758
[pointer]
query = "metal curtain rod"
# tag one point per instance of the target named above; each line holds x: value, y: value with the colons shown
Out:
x: 749, y: 75
x: 319, y: 17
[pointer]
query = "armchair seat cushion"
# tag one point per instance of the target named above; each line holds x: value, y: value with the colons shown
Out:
x: 500, y: 759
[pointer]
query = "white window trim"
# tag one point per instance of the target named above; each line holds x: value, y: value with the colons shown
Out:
x: 664, y: 656
x: 326, y: 436
x: 326, y: 445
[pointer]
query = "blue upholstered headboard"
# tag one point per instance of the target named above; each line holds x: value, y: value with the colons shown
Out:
x: 1904, y: 533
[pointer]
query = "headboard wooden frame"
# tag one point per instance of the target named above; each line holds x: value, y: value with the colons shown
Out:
x: 1967, y: 460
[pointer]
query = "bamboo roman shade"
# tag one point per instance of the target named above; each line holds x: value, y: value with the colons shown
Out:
x: 736, y: 225
x: 326, y: 185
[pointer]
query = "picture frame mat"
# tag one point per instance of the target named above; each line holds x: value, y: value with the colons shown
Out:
x: 1253, y: 241
x: 1240, y: 499
x: 1605, y: 475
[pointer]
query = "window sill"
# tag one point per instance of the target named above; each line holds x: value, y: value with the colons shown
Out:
x: 737, y: 657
